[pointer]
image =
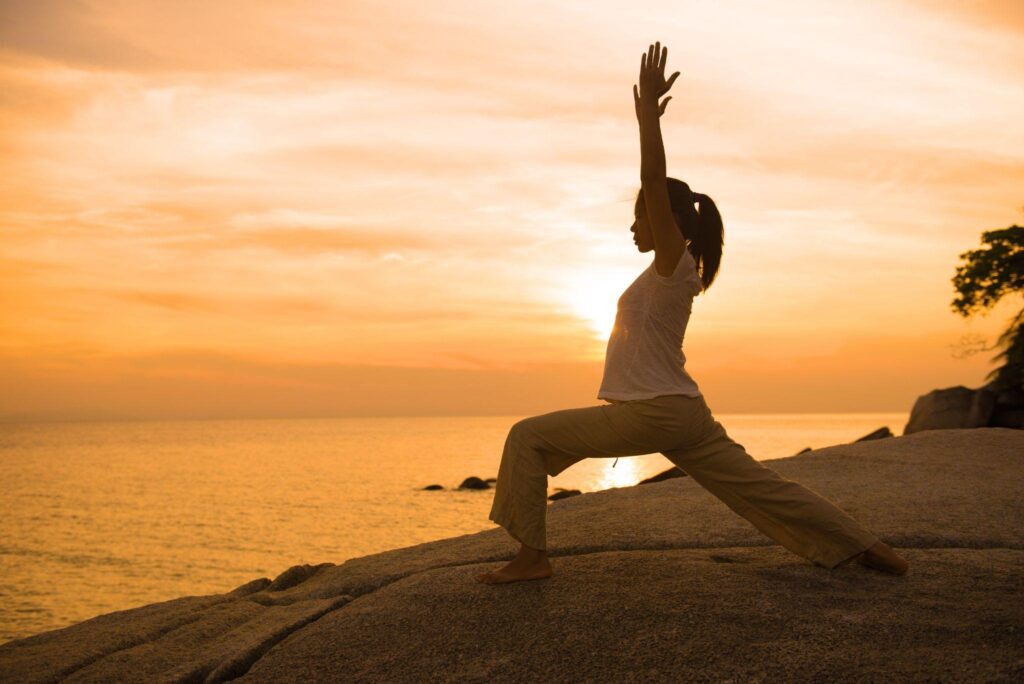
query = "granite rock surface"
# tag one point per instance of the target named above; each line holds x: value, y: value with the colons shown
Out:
x: 655, y: 583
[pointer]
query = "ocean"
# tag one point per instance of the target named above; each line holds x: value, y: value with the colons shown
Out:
x: 104, y: 516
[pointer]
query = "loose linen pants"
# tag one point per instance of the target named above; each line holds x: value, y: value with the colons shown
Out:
x: 682, y: 428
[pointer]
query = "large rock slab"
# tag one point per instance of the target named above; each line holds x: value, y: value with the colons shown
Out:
x: 676, y: 615
x: 663, y: 579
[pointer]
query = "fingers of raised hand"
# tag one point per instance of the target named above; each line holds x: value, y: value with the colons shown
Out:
x: 650, y: 58
x: 655, y: 57
x: 653, y: 52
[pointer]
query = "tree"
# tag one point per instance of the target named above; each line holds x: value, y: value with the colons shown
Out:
x: 986, y: 276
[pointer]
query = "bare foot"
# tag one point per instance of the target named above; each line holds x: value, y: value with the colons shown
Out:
x: 882, y: 557
x: 518, y: 570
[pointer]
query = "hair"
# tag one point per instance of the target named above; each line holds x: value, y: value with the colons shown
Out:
x: 702, y: 226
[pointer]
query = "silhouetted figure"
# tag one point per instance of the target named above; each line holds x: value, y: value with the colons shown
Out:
x: 653, y: 403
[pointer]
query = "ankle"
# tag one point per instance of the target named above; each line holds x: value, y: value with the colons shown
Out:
x: 532, y: 555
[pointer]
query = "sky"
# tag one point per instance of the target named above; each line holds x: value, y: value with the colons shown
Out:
x: 309, y: 209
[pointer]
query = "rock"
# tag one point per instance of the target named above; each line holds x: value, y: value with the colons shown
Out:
x: 983, y: 406
x: 491, y: 479
x: 564, y: 494
x: 1010, y: 418
x: 655, y: 583
x: 433, y: 487
x: 1009, y: 408
x: 665, y: 475
x: 297, y: 574
x: 1010, y: 396
x: 880, y: 433
x: 474, y: 483
x: 803, y: 451
x: 951, y: 408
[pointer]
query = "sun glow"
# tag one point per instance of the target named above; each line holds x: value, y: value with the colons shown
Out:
x: 592, y: 297
x: 624, y: 473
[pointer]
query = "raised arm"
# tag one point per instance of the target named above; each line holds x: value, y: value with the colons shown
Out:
x: 669, y: 242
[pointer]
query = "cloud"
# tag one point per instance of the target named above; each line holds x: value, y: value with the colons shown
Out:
x: 176, y: 301
x: 298, y: 307
x: 305, y: 241
x: 998, y: 16
x: 67, y: 31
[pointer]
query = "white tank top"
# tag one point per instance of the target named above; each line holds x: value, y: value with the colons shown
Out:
x: 645, y: 356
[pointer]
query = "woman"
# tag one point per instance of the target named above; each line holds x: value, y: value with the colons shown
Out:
x: 654, y: 404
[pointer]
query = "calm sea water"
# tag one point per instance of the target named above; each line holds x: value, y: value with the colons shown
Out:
x: 105, y: 516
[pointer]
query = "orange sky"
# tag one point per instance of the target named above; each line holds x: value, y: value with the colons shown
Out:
x: 218, y: 209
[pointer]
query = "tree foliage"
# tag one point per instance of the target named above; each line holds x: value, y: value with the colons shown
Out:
x: 986, y: 276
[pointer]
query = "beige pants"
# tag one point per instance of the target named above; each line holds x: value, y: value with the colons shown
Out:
x: 681, y: 428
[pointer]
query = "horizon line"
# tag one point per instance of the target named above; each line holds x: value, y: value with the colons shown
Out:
x: 129, y: 419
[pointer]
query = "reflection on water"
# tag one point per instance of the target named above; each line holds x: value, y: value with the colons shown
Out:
x: 111, y: 515
x: 625, y: 473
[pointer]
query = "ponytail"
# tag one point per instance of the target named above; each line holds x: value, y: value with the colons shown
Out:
x: 708, y: 239
x: 701, y: 226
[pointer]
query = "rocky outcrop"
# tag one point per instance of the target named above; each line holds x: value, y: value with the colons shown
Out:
x: 880, y: 433
x: 563, y: 493
x: 654, y: 583
x: 951, y: 408
x: 1008, y: 410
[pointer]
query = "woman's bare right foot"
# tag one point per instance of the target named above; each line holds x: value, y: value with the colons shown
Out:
x: 517, y: 571
x: 529, y: 564
x: 882, y: 557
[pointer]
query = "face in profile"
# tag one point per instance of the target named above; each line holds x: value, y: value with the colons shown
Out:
x: 641, y: 229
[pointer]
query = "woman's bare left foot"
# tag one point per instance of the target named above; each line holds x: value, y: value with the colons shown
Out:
x: 882, y: 557
x: 518, y: 570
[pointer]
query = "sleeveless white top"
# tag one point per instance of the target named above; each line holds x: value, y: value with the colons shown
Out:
x: 645, y: 356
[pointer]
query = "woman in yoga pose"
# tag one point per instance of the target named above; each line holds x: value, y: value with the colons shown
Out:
x: 653, y: 403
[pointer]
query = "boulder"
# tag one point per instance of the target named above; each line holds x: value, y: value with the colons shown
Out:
x: 474, y: 483
x: 880, y: 433
x: 952, y: 408
x: 433, y: 487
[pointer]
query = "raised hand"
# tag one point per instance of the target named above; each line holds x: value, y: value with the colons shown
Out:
x: 652, y: 80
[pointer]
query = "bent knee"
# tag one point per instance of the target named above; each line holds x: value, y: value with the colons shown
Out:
x: 522, y: 428
x: 526, y: 434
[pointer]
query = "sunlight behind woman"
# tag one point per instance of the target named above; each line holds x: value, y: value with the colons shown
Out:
x: 591, y: 296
